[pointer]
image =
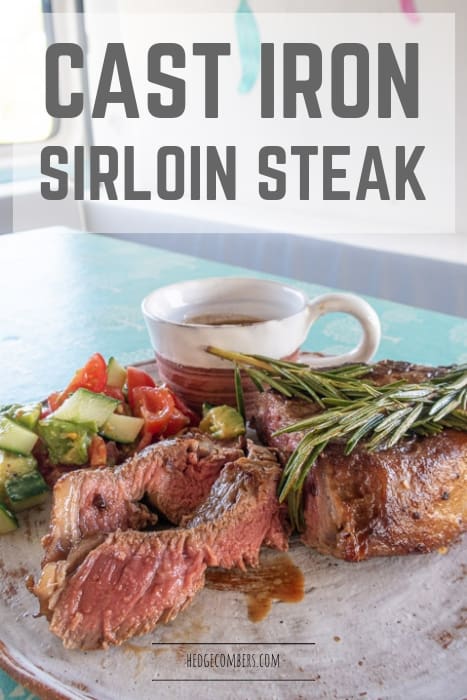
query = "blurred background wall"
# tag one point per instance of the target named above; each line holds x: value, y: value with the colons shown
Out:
x: 424, y: 269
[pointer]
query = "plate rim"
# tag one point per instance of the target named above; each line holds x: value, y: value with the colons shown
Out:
x: 29, y: 680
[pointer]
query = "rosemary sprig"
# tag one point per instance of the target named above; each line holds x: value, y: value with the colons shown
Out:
x: 298, y: 379
x: 354, y: 411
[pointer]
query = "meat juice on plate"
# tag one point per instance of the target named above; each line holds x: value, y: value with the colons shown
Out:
x: 276, y: 579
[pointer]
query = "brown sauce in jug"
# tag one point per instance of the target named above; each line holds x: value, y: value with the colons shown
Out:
x: 222, y: 320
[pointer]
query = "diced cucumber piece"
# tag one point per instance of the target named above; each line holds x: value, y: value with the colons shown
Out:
x: 122, y: 428
x: 222, y: 422
x: 15, y: 438
x: 116, y: 374
x: 7, y: 407
x: 8, y: 521
x: 26, y: 491
x: 67, y: 442
x: 27, y: 415
x: 86, y: 407
x: 13, y: 465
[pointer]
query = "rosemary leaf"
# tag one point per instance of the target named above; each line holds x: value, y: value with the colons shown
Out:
x: 322, y: 419
x: 314, y: 454
x: 240, y: 359
x: 362, y: 431
x: 333, y: 402
x: 295, y: 508
x: 306, y: 387
x: 459, y: 383
x: 412, y: 393
x: 274, y: 383
x: 427, y: 429
x: 439, y: 404
x: 239, y: 392
x: 279, y: 363
x: 392, y: 420
x: 405, y: 426
x: 447, y: 409
x: 252, y: 374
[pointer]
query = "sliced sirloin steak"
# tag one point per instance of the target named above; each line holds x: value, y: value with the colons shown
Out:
x: 175, y: 474
x: 108, y: 591
x: 410, y: 498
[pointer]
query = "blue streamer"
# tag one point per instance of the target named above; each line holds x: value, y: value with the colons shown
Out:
x: 249, y: 43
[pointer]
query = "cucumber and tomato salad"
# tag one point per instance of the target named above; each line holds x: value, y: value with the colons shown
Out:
x: 103, y: 402
x: 21, y: 484
x: 122, y: 405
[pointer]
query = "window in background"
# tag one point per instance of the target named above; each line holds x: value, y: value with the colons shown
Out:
x: 24, y: 36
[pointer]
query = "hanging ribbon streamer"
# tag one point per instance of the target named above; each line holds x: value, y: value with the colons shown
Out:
x: 249, y: 43
x: 409, y: 7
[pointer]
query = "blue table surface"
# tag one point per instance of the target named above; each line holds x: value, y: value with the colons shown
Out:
x: 65, y: 295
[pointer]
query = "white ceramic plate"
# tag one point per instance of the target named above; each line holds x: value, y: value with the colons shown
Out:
x: 386, y: 628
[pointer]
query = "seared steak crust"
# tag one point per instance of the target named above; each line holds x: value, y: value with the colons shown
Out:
x: 107, y: 591
x: 410, y: 498
x: 176, y: 475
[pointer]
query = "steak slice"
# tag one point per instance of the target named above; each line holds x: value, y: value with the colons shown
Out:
x: 273, y: 412
x: 123, y: 587
x: 106, y: 592
x: 244, y: 500
x: 175, y: 475
x: 410, y: 498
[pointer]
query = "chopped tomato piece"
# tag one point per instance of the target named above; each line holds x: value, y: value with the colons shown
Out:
x: 155, y: 405
x: 145, y: 440
x: 97, y: 452
x: 114, y: 392
x: 137, y: 378
x: 191, y: 415
x: 177, y: 422
x: 93, y: 376
x: 53, y: 401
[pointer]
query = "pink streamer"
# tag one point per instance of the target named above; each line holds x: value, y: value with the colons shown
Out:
x: 409, y: 7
